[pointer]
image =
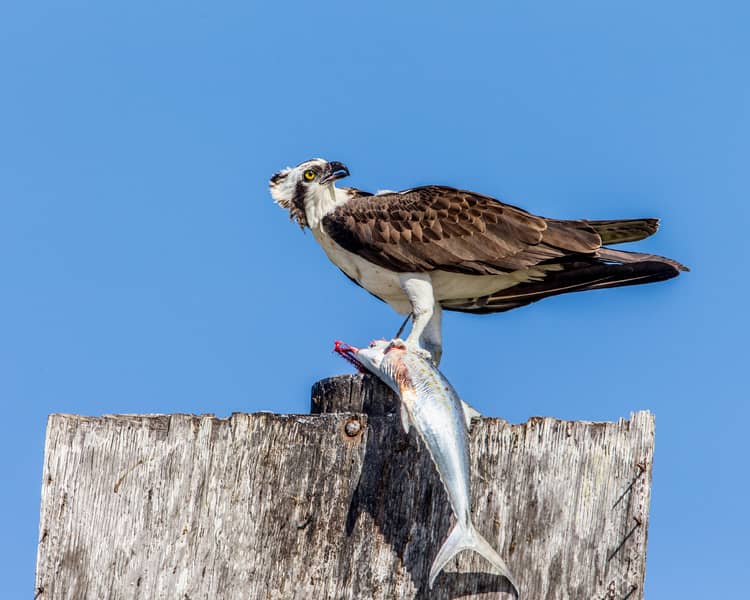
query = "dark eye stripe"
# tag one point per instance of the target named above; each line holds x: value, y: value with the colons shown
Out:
x: 299, y: 196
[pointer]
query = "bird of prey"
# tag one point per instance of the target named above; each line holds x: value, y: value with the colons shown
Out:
x: 434, y: 247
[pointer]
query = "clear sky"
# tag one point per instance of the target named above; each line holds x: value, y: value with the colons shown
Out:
x: 145, y: 269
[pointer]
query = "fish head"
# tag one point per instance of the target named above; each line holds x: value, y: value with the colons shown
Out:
x: 375, y: 356
x: 365, y: 360
x: 382, y: 358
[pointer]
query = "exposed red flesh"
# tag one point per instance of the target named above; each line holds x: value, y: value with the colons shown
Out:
x: 348, y: 352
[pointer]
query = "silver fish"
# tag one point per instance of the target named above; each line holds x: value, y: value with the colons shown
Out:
x: 431, y: 405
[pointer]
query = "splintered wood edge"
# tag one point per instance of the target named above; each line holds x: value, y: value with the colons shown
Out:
x: 637, y: 418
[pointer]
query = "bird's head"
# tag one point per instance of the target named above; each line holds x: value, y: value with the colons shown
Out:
x: 308, y: 185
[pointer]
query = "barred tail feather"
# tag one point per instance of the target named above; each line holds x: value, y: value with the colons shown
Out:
x: 620, y: 231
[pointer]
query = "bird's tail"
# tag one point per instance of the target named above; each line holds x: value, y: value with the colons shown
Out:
x: 619, y: 231
x: 465, y: 537
x: 606, y: 269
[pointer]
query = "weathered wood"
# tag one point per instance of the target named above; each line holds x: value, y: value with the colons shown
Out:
x: 292, y: 506
x: 353, y: 393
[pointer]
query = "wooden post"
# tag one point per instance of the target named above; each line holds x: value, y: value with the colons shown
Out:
x: 336, y: 505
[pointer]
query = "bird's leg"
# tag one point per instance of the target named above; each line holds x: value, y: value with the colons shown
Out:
x: 403, y: 326
x: 418, y: 289
x: 431, y: 338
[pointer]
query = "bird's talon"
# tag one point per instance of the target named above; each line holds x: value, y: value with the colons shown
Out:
x: 411, y: 347
x: 423, y: 353
x: 397, y: 343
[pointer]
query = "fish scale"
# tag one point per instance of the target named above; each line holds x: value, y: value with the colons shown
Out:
x: 430, y: 404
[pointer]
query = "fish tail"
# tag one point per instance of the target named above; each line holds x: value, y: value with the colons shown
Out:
x: 464, y: 537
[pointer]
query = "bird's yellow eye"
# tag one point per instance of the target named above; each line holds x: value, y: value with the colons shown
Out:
x: 309, y: 175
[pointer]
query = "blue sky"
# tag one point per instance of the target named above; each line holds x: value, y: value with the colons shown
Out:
x: 145, y: 269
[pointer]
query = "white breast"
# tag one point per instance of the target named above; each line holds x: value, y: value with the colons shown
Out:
x: 446, y: 285
x: 378, y: 281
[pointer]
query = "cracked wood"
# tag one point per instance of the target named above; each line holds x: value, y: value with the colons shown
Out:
x: 295, y: 506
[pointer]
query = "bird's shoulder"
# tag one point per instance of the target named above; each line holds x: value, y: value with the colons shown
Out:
x: 432, y: 202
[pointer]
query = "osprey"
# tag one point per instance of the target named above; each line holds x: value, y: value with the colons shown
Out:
x: 434, y: 247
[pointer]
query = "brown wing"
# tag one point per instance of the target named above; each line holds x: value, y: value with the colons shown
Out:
x: 437, y: 227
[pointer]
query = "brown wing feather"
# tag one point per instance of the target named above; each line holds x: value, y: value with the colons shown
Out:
x: 437, y: 227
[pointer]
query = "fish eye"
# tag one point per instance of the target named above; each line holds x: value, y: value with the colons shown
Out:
x: 309, y: 175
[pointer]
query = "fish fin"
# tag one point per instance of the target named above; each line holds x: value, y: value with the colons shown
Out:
x: 468, y: 538
x: 405, y: 421
x: 470, y: 413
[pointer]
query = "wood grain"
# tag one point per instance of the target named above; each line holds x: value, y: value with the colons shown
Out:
x: 292, y: 506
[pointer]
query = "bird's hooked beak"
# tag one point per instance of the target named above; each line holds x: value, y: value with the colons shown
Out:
x: 334, y: 170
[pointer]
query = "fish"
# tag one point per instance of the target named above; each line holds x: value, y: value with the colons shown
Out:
x: 430, y: 404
